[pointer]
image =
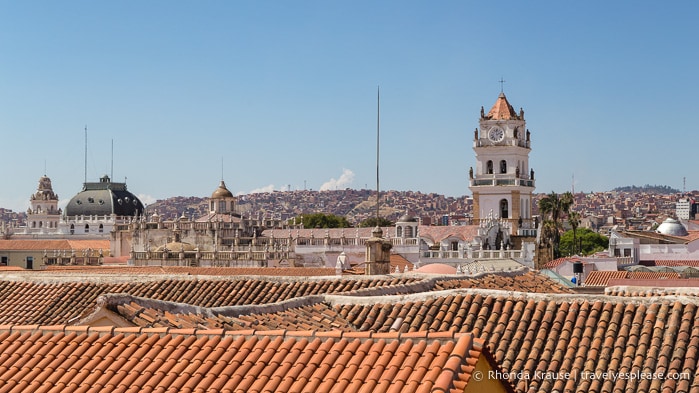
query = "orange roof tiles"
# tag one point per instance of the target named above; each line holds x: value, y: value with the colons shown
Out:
x: 527, y: 282
x: 56, y: 359
x: 51, y: 301
x: 674, y: 262
x: 307, y: 317
x: 294, y: 335
x: 602, y: 278
x: 502, y: 110
x: 55, y: 245
x: 575, y: 334
x: 55, y: 302
x: 527, y: 332
x: 556, y: 262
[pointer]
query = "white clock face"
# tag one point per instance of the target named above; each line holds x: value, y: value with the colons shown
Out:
x: 496, y: 134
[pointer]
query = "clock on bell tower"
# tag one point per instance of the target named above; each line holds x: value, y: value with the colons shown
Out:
x: 502, y: 183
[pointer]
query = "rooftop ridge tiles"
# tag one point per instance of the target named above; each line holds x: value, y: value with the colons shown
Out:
x: 310, y: 335
x: 342, y: 300
x: 644, y: 291
x: 284, y: 305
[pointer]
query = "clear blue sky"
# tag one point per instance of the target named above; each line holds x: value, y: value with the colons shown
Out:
x: 273, y: 94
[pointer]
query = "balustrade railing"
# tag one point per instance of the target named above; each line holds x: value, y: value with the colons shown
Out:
x: 501, y: 180
x: 476, y: 254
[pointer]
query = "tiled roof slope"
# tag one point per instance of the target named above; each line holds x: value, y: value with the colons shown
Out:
x: 300, y: 314
x: 63, y: 359
x: 527, y: 282
x: 598, y: 278
x: 310, y: 316
x: 303, y: 314
x: 531, y: 334
x: 502, y: 110
x: 61, y: 302
x: 52, y: 245
x: 534, y: 335
x: 556, y: 262
x: 64, y: 300
x: 637, y: 291
x: 673, y: 262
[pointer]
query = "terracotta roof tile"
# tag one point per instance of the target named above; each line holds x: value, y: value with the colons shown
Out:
x: 527, y: 282
x: 600, y: 278
x: 405, y: 339
x: 64, y: 301
x: 604, y: 278
x: 61, y: 244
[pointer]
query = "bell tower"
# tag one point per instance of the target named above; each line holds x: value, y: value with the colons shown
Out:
x: 503, y: 182
x: 43, y: 214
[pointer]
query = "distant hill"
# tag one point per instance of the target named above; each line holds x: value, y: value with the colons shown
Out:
x: 356, y: 205
x: 648, y: 189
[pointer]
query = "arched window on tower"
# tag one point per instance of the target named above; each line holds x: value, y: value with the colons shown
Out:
x: 399, y: 231
x: 409, y: 232
x: 504, y: 210
x: 503, y: 166
x: 87, y: 228
x: 101, y: 228
x: 72, y: 229
x: 489, y: 167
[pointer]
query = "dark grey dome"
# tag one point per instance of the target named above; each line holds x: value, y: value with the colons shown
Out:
x: 104, y: 198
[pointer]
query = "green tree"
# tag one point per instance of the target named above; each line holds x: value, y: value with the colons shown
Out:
x: 371, y: 222
x: 588, y: 242
x: 321, y: 220
x: 552, y: 208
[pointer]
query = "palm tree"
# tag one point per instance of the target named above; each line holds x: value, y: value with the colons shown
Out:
x: 548, y: 236
x: 552, y: 207
x: 574, y: 222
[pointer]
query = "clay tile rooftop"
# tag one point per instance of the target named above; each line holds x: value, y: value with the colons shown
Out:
x: 179, y: 330
x: 56, y: 359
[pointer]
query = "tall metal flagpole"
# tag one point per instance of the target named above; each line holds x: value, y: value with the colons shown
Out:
x: 85, y: 153
x: 378, y: 123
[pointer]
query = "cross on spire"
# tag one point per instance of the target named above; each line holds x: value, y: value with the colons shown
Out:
x: 502, y: 81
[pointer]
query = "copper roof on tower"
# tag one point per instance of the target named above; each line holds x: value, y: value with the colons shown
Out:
x: 502, y: 110
x: 221, y: 192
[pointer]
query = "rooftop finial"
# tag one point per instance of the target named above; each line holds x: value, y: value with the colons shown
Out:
x: 502, y: 82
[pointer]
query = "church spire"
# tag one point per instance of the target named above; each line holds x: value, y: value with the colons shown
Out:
x: 502, y: 110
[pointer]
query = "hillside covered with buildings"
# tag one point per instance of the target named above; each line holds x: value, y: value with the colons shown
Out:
x: 637, y: 208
